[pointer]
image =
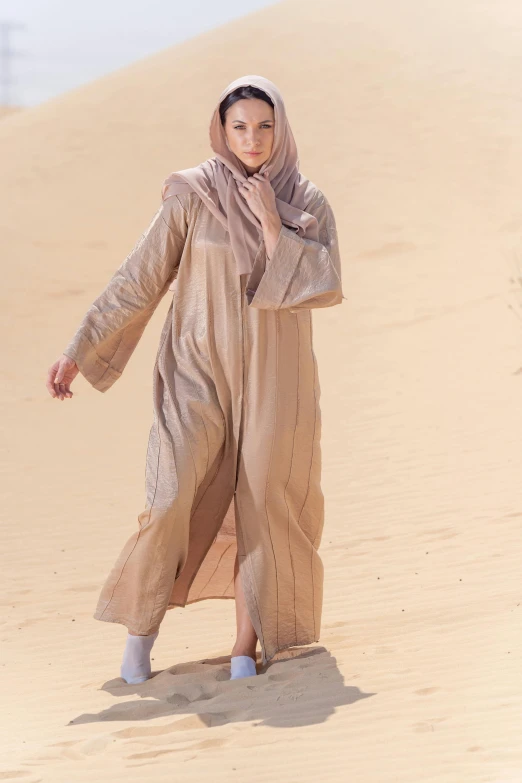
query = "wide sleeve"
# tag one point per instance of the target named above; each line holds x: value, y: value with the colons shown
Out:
x: 301, y: 274
x: 116, y: 320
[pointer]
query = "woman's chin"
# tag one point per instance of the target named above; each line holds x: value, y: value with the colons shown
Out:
x: 253, y: 162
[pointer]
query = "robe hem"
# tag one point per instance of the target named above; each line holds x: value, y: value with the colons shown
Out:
x: 265, y: 659
x: 101, y: 615
x: 268, y: 658
x: 126, y: 621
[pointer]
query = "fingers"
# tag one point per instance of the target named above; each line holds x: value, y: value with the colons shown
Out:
x: 251, y: 184
x: 59, y: 387
x: 51, y: 377
x: 253, y: 180
x: 58, y: 390
x: 55, y: 383
x: 49, y: 384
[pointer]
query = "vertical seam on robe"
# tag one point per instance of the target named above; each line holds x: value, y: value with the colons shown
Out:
x: 238, y: 525
x: 316, y: 383
x: 173, y: 527
x: 165, y: 381
x: 211, y: 347
x: 313, y: 450
x: 216, y: 568
x: 290, y: 473
x: 268, y: 470
x: 226, y: 588
x: 308, y: 487
x: 193, y: 511
x: 203, y: 422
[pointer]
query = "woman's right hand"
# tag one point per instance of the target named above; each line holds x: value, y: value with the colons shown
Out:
x: 60, y: 376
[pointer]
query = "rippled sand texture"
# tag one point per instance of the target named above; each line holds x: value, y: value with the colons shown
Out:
x: 408, y: 116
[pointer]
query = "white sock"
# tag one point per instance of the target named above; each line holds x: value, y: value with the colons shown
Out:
x: 135, y: 667
x: 242, y: 666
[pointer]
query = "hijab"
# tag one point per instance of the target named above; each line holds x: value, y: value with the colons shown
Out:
x: 216, y: 181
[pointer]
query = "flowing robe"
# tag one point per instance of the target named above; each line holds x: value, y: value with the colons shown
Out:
x: 233, y: 463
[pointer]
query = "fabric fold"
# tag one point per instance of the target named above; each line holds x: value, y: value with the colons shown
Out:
x: 301, y: 273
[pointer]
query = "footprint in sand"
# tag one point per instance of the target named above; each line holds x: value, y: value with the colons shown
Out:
x: 426, y: 691
x: 283, y: 676
x: 207, y: 720
x: 191, y: 694
x: 204, y: 745
x: 428, y: 725
x: 289, y: 696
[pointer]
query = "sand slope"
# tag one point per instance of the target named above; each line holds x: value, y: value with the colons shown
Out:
x: 7, y: 111
x: 408, y: 116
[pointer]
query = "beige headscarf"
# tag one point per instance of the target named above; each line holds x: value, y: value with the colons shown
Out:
x: 216, y: 181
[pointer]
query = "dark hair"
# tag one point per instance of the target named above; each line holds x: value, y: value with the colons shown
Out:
x: 246, y: 91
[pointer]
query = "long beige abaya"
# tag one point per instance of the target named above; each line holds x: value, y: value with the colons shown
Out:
x: 233, y: 461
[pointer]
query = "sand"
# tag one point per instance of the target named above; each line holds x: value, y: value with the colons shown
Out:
x: 408, y: 116
x: 7, y: 111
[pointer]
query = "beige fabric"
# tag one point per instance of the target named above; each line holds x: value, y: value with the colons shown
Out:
x: 233, y: 459
x: 216, y: 180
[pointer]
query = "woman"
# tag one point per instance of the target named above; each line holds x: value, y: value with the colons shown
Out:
x: 234, y: 507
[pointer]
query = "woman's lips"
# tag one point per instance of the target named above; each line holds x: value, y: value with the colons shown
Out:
x: 253, y: 153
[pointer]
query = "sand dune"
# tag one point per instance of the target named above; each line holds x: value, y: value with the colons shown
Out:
x: 408, y: 116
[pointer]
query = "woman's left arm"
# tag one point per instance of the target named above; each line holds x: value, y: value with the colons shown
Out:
x: 301, y: 273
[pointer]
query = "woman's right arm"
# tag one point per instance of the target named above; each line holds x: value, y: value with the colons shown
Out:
x: 116, y: 320
x: 301, y: 274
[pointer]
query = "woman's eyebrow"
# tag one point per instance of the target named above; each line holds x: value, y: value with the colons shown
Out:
x: 259, y: 123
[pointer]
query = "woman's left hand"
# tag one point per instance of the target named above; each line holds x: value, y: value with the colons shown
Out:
x: 259, y: 195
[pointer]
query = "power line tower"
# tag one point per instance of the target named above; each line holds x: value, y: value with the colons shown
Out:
x: 6, y: 55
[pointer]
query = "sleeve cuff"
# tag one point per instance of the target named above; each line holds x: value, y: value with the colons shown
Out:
x: 280, y: 269
x: 94, y: 369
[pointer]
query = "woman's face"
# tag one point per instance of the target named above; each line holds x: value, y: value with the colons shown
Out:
x: 249, y: 127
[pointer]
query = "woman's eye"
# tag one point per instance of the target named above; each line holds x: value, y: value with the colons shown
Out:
x: 240, y: 127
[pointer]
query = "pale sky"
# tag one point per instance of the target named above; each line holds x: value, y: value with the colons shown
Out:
x: 64, y: 43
